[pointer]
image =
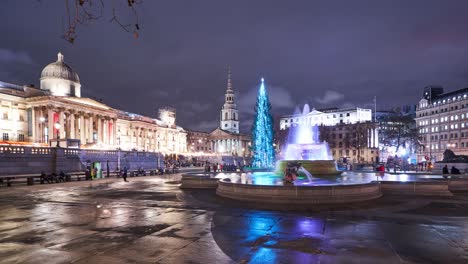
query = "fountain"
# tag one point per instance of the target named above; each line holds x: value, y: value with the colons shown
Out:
x: 304, y: 147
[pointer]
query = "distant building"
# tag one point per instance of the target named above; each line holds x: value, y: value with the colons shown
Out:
x: 442, y: 120
x: 356, y: 142
x: 351, y: 134
x: 56, y: 113
x: 198, y: 142
x: 226, y: 139
x: 327, y: 117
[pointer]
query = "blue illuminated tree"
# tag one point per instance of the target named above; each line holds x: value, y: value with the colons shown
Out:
x: 262, y: 132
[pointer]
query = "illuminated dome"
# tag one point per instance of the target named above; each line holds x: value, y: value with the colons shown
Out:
x: 60, y: 79
x: 60, y: 69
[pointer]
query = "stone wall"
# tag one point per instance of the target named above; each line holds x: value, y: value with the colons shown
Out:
x: 26, y: 160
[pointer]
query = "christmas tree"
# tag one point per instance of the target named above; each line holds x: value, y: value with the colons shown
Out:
x: 262, y: 132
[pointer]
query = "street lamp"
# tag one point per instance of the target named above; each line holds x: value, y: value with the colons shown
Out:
x: 57, y: 127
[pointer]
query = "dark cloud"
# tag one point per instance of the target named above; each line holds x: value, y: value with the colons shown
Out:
x: 14, y: 57
x: 359, y: 49
x: 329, y: 97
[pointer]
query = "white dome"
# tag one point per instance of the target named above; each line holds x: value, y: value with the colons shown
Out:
x: 60, y: 70
x: 60, y: 80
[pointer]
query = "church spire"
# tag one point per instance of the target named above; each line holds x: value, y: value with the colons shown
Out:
x: 229, y: 84
x: 229, y: 120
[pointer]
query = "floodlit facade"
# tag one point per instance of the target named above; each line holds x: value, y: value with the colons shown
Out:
x: 327, y: 117
x: 442, y: 122
x: 56, y: 114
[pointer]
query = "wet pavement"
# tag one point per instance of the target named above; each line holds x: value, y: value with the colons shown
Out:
x: 150, y: 220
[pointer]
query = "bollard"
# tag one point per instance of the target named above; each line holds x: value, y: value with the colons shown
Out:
x: 30, y: 180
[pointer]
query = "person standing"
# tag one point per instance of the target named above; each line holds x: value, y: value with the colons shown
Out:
x: 124, y: 175
x: 107, y: 167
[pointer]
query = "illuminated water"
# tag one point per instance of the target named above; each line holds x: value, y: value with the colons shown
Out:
x: 304, y: 143
x: 347, y: 178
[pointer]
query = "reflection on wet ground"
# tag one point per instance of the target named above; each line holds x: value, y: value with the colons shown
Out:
x: 150, y: 221
x: 347, y: 178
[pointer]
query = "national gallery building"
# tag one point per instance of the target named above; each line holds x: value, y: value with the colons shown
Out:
x: 56, y: 114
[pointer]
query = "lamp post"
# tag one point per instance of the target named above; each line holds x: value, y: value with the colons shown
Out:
x: 57, y: 127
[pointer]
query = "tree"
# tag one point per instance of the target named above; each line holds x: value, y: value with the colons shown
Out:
x: 263, y: 131
x: 399, y: 130
x: 281, y: 136
x: 357, y: 138
x: 80, y: 12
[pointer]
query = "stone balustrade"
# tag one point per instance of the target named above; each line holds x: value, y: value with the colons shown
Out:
x: 16, y: 160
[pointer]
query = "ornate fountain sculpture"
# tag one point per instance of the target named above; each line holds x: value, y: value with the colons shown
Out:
x: 304, y: 147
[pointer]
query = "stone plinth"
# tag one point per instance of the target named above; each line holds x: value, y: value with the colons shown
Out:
x: 425, y: 188
x: 299, y: 194
x: 199, y: 182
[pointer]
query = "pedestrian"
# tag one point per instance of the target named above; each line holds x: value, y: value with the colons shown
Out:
x: 124, y: 175
x: 107, y: 167
x: 445, y: 169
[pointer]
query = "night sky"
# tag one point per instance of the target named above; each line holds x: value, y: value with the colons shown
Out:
x: 325, y: 53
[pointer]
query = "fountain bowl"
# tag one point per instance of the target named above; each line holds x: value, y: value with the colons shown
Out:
x: 318, y: 168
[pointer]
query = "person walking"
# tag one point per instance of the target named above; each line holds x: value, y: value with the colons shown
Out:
x: 108, y: 170
x: 124, y: 175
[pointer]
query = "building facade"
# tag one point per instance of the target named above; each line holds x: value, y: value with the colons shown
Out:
x: 442, y: 122
x: 357, y: 142
x: 56, y: 115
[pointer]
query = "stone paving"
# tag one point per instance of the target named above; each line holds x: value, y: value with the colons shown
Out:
x: 150, y: 220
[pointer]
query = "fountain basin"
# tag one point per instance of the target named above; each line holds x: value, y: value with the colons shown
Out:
x: 299, y: 194
x: 318, y: 168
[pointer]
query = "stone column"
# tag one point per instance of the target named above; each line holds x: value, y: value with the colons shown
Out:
x: 105, y: 128
x: 37, y: 125
x: 50, y: 125
x: 99, y: 129
x: 77, y: 126
x: 376, y: 133
x: 137, y: 137
x: 90, y: 128
x: 34, y: 126
x: 111, y: 132
x: 72, y: 125
x: 82, y: 129
x: 62, y: 124
x: 368, y: 138
x: 114, y: 126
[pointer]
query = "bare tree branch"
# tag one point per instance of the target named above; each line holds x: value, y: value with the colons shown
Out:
x: 80, y: 12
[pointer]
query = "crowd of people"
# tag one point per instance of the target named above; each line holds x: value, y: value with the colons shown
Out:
x: 453, y: 170
x: 53, y: 177
x: 221, y: 167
